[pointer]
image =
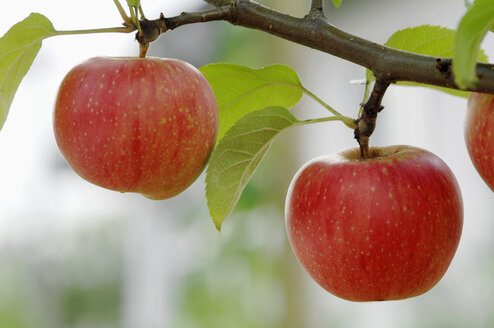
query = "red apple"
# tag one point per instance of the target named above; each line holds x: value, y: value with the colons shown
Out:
x: 143, y: 125
x: 382, y: 228
x: 479, y: 134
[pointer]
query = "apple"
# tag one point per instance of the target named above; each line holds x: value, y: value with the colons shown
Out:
x: 144, y: 125
x: 381, y: 228
x: 479, y: 134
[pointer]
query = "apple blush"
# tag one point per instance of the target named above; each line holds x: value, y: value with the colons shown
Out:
x: 382, y: 228
x: 479, y: 134
x: 144, y: 125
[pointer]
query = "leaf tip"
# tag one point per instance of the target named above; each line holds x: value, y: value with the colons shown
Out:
x: 337, y: 3
x: 217, y: 225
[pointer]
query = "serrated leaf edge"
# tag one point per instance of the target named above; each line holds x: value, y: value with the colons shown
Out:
x: 249, y: 170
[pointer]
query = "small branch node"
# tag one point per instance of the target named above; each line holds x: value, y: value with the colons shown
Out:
x: 150, y: 31
x: 445, y: 67
x: 316, y: 9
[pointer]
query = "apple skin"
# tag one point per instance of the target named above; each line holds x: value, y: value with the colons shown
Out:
x: 144, y: 125
x: 479, y: 134
x: 382, y: 228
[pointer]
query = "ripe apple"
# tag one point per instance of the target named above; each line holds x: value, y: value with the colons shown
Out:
x: 144, y: 125
x: 479, y: 134
x: 381, y: 228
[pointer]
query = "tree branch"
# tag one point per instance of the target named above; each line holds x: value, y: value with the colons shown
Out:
x: 218, y: 3
x: 366, y: 123
x: 388, y: 65
x: 224, y: 12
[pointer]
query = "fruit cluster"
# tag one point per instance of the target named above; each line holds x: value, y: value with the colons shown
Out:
x: 384, y: 227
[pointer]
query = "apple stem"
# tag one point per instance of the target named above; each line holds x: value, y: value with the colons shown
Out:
x: 143, y: 49
x: 366, y: 123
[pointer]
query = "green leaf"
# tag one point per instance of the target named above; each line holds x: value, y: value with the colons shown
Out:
x: 240, y: 90
x: 427, y: 40
x: 337, y: 3
x: 471, y: 31
x: 18, y: 48
x: 237, y: 156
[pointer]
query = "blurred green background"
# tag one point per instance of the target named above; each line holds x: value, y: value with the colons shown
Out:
x: 74, y: 256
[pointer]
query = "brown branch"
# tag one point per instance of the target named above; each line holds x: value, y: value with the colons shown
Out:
x: 366, y: 123
x: 218, y: 3
x: 224, y: 12
x: 388, y: 65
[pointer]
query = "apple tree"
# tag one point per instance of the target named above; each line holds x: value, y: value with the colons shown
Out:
x: 357, y: 220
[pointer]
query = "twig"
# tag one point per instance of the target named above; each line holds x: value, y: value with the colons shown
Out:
x: 388, y: 65
x: 366, y: 123
x: 219, y: 13
x: 316, y: 8
x: 218, y: 3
